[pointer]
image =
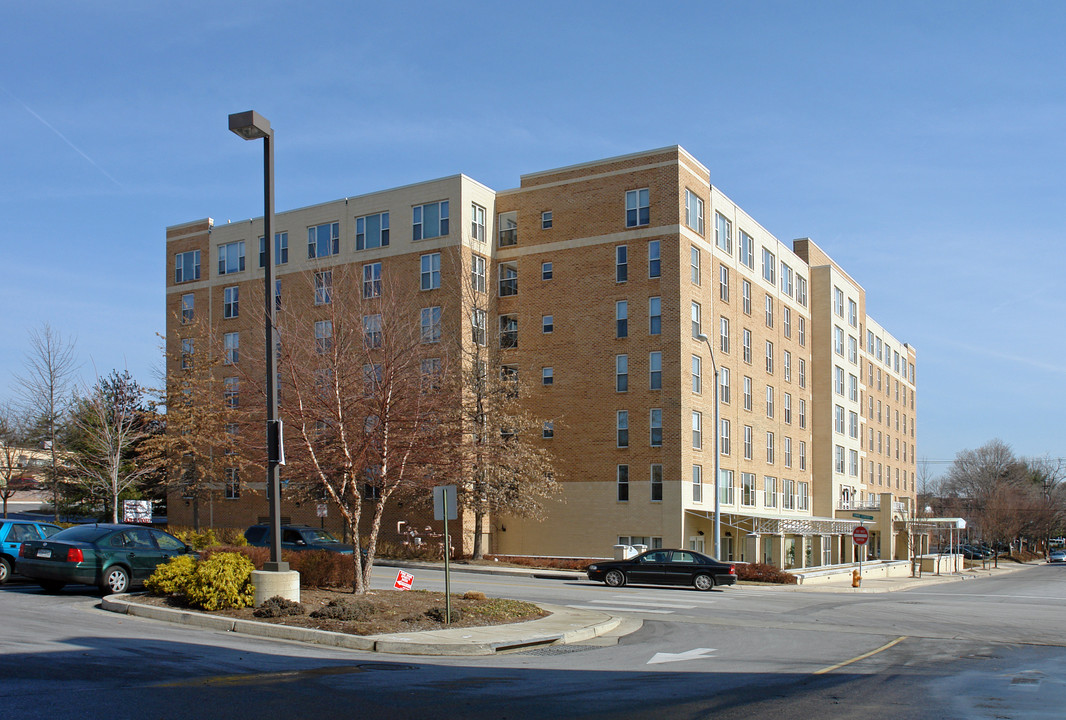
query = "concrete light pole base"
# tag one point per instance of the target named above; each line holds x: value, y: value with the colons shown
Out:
x: 270, y: 583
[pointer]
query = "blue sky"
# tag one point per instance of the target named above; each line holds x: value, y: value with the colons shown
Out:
x: 920, y: 144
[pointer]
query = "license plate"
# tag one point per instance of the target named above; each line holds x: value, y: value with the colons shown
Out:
x: 44, y: 553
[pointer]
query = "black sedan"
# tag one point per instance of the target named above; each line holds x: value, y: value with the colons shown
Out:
x: 665, y: 567
x: 112, y: 557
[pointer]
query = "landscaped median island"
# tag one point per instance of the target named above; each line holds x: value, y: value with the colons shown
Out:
x: 221, y: 585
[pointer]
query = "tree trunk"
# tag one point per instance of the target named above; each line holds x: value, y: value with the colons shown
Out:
x: 479, y: 525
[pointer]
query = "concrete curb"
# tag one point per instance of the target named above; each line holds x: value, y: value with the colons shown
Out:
x: 563, y: 626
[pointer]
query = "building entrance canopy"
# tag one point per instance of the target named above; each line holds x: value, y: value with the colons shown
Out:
x: 783, y: 525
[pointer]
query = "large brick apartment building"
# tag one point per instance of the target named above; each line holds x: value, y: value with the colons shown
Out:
x: 605, y: 275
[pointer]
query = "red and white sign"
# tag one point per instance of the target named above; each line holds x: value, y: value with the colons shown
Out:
x: 404, y: 580
x: 860, y: 535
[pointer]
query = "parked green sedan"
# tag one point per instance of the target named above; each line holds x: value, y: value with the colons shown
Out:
x: 115, y: 558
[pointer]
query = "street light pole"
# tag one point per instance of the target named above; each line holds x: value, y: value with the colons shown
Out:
x: 251, y: 125
x: 717, y: 454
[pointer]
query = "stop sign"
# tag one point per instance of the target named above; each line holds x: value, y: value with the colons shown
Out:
x: 860, y: 535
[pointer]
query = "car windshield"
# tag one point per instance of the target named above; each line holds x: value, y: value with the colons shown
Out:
x: 82, y: 533
x: 320, y: 536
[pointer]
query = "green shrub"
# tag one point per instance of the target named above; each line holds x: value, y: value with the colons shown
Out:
x: 196, y: 540
x: 322, y: 568
x: 233, y: 537
x: 256, y: 555
x: 438, y: 614
x: 172, y: 577
x: 278, y: 606
x: 357, y: 610
x: 224, y: 580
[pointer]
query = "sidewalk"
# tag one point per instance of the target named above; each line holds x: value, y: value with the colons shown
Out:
x: 895, y: 584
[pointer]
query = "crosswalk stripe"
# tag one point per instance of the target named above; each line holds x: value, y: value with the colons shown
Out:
x: 627, y: 601
x: 620, y: 609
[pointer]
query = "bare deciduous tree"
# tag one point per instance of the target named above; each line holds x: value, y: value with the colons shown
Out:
x: 44, y: 390
x: 12, y: 437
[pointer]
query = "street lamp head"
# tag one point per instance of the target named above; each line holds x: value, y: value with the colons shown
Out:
x: 702, y: 338
x: 250, y: 125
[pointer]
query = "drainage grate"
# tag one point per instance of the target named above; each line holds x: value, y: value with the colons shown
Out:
x: 558, y: 650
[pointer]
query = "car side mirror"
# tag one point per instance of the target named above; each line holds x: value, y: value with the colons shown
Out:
x: 301, y: 542
x: 188, y: 549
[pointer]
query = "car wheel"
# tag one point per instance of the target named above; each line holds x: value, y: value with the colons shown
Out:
x: 51, y: 585
x: 703, y: 582
x: 615, y: 578
x: 5, y: 570
x: 116, y: 580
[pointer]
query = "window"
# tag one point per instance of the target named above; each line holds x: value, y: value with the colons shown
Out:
x: 746, y: 250
x: 788, y: 498
x: 621, y: 318
x: 803, y: 499
x: 547, y: 323
x: 508, y: 228
x: 188, y: 350
x: 694, y: 211
x: 546, y: 220
x: 723, y: 385
x: 803, y: 455
x: 477, y: 326
x: 231, y: 344
x: 801, y: 330
x: 769, y: 266
x: 655, y: 266
x: 233, y: 484
x: 787, y: 403
x: 430, y: 271
x: 747, y: 489
x: 697, y: 483
x: 786, y: 320
x: 838, y: 419
x: 723, y: 334
x: 323, y: 240
x: 748, y: 449
x: 770, y: 401
x: 723, y: 234
x: 801, y: 290
x: 372, y: 330
x: 508, y: 282
x: 802, y: 413
x: 802, y: 373
x: 477, y: 274
x: 770, y: 491
x: 769, y: 311
x: 323, y: 336
x: 187, y: 266
x: 622, y: 428
x: 372, y: 280
x: 694, y: 261
x: 324, y: 287
x: 429, y: 221
x: 656, y: 478
x: 546, y: 271
x: 770, y: 447
x: 231, y: 258
x: 281, y: 249
x: 231, y: 387
x: 508, y: 331
x: 697, y: 430
x: 786, y: 362
x: 637, y: 207
x: 853, y: 349
x: 745, y: 295
x: 547, y: 376
x: 621, y: 373
x: 723, y: 283
x: 723, y: 436
x: 853, y: 313
x: 769, y: 357
x: 747, y: 393
x: 838, y: 459
x: 430, y: 323
x: 372, y: 231
x: 188, y: 308
x: 655, y: 425
x: 548, y: 431
x: 655, y: 316
x: 786, y: 279
x: 853, y: 424
x: 621, y: 263
x: 853, y: 463
x: 838, y: 340
x: 655, y: 370
x: 725, y: 487
x: 696, y: 324
x: 231, y: 302
x: 622, y: 482
x: 697, y: 374
x: 745, y: 338
x: 788, y: 452
x: 838, y: 380
x: 277, y: 294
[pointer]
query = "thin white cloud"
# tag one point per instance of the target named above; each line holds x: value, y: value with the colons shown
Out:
x: 1018, y: 359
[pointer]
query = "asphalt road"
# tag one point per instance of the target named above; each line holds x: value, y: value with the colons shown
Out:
x: 971, y: 649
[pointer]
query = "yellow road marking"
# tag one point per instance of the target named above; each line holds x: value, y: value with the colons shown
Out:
x: 261, y: 678
x: 831, y: 668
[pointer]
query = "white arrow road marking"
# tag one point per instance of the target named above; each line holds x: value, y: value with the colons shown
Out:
x: 695, y: 654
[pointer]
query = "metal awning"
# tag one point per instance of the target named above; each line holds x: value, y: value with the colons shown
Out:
x: 783, y: 524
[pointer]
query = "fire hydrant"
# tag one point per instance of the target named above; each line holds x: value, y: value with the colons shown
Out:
x: 856, y: 578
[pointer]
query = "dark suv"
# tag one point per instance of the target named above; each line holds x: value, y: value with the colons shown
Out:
x: 297, y: 537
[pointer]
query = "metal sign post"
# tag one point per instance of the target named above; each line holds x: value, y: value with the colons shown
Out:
x: 444, y: 508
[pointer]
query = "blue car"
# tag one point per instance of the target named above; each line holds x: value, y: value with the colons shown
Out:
x: 12, y: 535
